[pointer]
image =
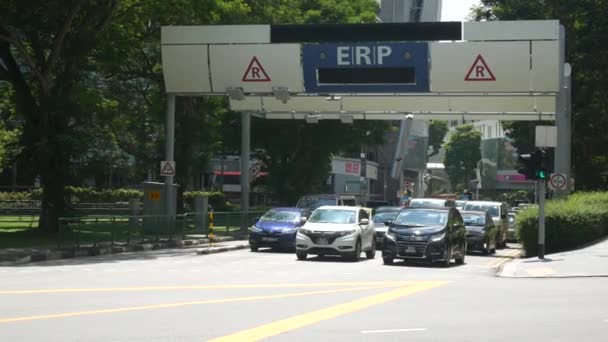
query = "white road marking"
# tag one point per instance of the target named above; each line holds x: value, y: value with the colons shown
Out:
x: 391, y: 330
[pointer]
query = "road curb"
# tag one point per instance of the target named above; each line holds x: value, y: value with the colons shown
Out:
x: 213, y: 250
x: 49, y: 255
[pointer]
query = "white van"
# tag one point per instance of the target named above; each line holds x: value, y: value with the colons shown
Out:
x: 498, y: 211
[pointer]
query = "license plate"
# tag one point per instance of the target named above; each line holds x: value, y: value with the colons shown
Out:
x: 322, y: 241
x: 410, y: 249
x: 270, y: 239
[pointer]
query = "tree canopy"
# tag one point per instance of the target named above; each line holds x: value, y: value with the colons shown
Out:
x: 585, y: 28
x: 462, y: 153
x: 86, y: 79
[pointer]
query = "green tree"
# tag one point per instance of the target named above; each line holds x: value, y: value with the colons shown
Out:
x: 462, y: 154
x: 437, y: 131
x: 45, y: 47
x: 584, y: 29
x: 10, y: 130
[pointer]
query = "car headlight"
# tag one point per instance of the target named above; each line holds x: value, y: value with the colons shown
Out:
x: 391, y: 235
x: 304, y: 231
x: 346, y: 232
x: 256, y: 229
x: 438, y: 237
x: 289, y: 230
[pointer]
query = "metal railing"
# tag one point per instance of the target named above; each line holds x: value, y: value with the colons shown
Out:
x: 111, y: 229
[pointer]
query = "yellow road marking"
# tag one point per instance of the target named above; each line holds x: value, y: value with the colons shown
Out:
x: 180, y: 304
x: 299, y: 321
x: 203, y: 287
x: 501, y: 260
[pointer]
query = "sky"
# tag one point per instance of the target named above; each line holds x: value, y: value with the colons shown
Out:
x: 456, y: 10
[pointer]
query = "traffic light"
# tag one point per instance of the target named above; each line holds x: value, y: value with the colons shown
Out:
x: 534, y: 165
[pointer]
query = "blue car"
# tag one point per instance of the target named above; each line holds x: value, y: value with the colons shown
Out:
x: 277, y: 228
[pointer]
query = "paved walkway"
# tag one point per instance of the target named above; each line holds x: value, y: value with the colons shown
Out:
x: 591, y: 261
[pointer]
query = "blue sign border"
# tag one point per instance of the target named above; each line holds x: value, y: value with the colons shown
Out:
x: 318, y: 56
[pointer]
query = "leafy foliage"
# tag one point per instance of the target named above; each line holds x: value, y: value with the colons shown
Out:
x: 570, y: 223
x: 462, y: 154
x: 437, y: 132
x: 584, y: 29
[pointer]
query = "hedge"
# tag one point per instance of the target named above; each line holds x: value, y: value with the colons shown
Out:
x: 77, y: 195
x: 570, y: 223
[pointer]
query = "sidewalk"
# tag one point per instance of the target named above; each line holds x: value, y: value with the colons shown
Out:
x: 591, y: 261
x: 20, y: 256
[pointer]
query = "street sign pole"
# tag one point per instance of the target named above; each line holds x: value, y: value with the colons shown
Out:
x: 169, y: 155
x: 245, y: 155
x: 541, y: 219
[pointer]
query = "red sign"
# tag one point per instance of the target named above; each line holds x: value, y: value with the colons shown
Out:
x: 255, y: 72
x: 480, y: 71
x: 352, y: 168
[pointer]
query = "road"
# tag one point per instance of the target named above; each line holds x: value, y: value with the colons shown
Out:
x: 177, y: 295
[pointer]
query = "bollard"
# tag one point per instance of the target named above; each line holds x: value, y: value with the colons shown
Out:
x: 210, y: 229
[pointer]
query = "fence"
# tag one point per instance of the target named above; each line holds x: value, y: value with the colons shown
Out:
x: 95, y: 230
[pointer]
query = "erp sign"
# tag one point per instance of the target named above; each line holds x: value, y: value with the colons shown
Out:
x: 366, y: 68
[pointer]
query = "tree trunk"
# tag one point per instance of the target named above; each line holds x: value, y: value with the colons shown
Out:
x: 53, y: 157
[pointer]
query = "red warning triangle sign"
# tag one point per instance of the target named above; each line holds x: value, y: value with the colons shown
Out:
x: 480, y: 71
x: 167, y: 169
x: 255, y: 72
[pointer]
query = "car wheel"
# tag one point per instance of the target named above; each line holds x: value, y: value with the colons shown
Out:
x: 448, y: 257
x: 460, y: 261
x: 254, y: 247
x: 487, y: 249
x: 387, y: 260
x: 356, y: 255
x: 371, y: 253
x: 301, y: 255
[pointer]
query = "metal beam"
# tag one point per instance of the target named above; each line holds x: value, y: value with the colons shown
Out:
x: 245, y: 155
x: 563, y: 118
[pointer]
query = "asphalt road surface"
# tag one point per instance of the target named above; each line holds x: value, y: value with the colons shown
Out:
x: 244, y: 296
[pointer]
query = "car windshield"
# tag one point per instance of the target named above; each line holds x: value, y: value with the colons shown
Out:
x: 474, y: 220
x: 279, y: 216
x: 315, y: 202
x: 421, y: 218
x: 492, y: 209
x: 383, y: 217
x: 433, y: 204
x: 332, y: 216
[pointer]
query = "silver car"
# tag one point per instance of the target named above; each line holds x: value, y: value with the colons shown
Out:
x: 380, y: 220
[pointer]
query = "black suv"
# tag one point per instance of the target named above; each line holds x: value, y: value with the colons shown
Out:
x: 431, y: 234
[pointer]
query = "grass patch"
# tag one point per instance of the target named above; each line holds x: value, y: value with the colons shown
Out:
x: 25, y: 238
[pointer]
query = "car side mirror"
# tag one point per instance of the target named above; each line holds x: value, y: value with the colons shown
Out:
x: 255, y: 219
x: 363, y: 222
x: 388, y: 223
x: 303, y: 219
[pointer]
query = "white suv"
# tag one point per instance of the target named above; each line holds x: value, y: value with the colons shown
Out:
x: 337, y: 230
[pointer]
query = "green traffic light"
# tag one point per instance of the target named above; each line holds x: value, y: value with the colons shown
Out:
x: 541, y: 174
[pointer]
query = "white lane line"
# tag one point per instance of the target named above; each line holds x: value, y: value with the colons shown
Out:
x: 391, y: 330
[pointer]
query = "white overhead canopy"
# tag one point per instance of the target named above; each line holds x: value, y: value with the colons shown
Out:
x: 503, y: 70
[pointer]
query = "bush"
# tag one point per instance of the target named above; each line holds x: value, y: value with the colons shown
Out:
x: 216, y: 199
x: 569, y: 223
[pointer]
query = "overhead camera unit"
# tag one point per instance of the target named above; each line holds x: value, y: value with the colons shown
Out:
x: 235, y: 93
x: 312, y: 118
x: 347, y: 118
x: 281, y: 94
